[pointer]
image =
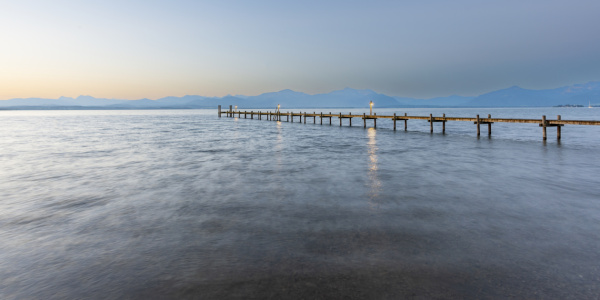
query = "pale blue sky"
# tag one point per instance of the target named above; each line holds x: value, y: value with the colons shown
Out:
x: 136, y: 49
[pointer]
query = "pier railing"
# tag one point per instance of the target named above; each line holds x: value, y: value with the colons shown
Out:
x: 289, y: 117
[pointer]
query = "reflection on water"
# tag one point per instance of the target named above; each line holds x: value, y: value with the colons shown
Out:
x: 279, y: 145
x: 374, y: 183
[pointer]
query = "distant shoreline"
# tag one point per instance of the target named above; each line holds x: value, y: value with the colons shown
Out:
x: 21, y: 108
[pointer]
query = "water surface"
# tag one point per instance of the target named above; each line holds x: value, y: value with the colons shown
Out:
x: 182, y: 204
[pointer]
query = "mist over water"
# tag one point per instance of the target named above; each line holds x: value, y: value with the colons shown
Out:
x: 182, y: 204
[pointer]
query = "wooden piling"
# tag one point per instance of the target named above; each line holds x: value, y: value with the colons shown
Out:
x: 544, y: 127
x: 558, y: 129
x: 251, y: 114
x: 219, y: 111
x: 405, y: 122
x: 394, y: 121
x: 364, y: 120
x: 430, y: 123
x: 304, y: 117
x: 444, y: 124
x: 478, y: 131
x: 375, y: 121
x: 230, y: 110
x: 329, y: 118
x: 489, y: 125
x: 350, y: 114
x: 314, y: 117
x: 321, y: 118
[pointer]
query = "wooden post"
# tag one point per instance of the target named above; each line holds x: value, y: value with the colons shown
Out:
x: 292, y: 116
x: 558, y: 128
x: 304, y: 117
x: 231, y: 110
x: 431, y: 123
x: 219, y: 111
x: 394, y: 121
x: 252, y: 114
x: 478, y: 132
x: 314, y: 117
x: 279, y: 115
x: 444, y: 124
x: 350, y: 119
x: 375, y: 121
x: 340, y: 119
x: 329, y: 118
x: 405, y: 122
x: 544, y: 127
x: 364, y: 120
x: 489, y: 125
x: 321, y: 118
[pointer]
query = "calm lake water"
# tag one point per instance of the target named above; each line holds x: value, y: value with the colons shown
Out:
x: 182, y: 204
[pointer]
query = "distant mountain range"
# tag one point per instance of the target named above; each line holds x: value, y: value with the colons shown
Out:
x: 579, y: 94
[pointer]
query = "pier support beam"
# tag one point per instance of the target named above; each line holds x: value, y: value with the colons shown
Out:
x: 219, y: 111
x: 545, y: 124
x: 489, y: 125
x: 375, y: 121
x: 405, y: 122
x: 444, y: 124
x: 558, y: 129
x: 364, y: 120
x: 544, y: 127
x: 488, y: 122
x: 430, y: 123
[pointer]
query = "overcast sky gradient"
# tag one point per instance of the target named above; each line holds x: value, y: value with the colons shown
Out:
x: 427, y: 48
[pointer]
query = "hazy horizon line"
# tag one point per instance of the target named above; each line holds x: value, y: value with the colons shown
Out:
x: 288, y: 89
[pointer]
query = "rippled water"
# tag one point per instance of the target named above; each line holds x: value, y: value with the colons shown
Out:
x: 182, y: 204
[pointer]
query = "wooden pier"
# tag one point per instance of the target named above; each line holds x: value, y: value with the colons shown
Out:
x: 478, y: 121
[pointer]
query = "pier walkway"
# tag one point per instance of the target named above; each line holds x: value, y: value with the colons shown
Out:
x: 303, y: 116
